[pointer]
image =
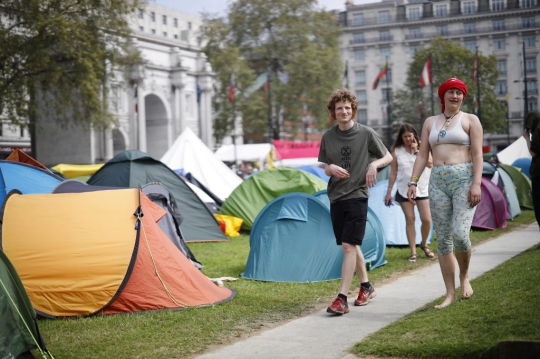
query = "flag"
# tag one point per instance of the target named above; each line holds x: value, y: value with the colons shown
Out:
x: 231, y: 90
x: 136, y: 100
x: 346, y: 75
x: 283, y: 77
x: 475, y: 70
x: 381, y: 74
x: 425, y: 78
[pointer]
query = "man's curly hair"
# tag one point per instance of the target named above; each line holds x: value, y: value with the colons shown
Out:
x: 342, y: 95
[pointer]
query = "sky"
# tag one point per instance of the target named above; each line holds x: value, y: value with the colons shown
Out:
x: 219, y: 7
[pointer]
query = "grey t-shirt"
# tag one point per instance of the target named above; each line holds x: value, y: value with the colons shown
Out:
x: 352, y: 150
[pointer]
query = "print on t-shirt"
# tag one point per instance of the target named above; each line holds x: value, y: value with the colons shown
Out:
x: 345, y: 157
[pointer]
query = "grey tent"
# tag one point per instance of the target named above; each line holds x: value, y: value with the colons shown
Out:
x: 19, y: 332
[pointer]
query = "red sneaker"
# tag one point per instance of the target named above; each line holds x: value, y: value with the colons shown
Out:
x: 364, y: 296
x: 339, y: 306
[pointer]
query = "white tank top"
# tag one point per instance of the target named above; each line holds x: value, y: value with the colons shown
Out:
x: 456, y: 135
x: 405, y: 161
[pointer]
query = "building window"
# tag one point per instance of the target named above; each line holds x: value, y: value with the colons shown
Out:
x: 501, y: 65
x: 362, y: 116
x: 360, y: 77
x: 385, y: 53
x: 501, y: 88
x: 386, y: 95
x: 384, y: 16
x: 532, y: 86
x: 175, y: 22
x: 442, y: 30
x: 498, y: 25
x: 499, y: 43
x: 189, y: 25
x: 527, y: 22
x: 530, y: 65
x: 358, y: 19
x: 164, y: 20
x: 469, y: 7
x: 415, y: 33
x: 533, y: 104
x: 413, y: 48
x: 358, y: 38
x: 153, y: 16
x: 497, y: 5
x: 359, y: 55
x: 164, y: 33
x: 141, y: 14
x: 525, y: 4
x: 361, y: 97
x: 441, y: 10
x: 154, y: 31
x: 469, y: 28
x: 470, y: 45
x: 384, y: 35
x: 176, y: 36
x: 529, y: 40
x: 414, y: 13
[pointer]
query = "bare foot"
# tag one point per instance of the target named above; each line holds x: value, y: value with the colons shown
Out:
x: 447, y: 301
x: 466, y: 289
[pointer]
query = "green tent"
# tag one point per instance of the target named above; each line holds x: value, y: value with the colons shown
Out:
x: 19, y: 332
x: 248, y: 199
x: 134, y: 169
x: 522, y: 184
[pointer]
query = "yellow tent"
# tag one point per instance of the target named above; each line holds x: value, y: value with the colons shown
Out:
x: 73, y: 171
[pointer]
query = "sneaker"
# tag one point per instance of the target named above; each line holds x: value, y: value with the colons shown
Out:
x: 364, y: 296
x: 339, y: 306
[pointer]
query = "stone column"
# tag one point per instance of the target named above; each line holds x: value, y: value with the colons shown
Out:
x: 206, y: 81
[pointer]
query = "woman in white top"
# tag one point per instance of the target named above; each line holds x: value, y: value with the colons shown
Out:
x: 455, y: 141
x: 404, y: 151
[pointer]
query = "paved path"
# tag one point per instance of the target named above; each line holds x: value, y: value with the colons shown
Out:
x: 320, y: 335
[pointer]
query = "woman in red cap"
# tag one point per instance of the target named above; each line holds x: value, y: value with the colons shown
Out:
x: 454, y: 139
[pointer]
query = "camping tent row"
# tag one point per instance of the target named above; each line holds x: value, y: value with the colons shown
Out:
x: 99, y: 250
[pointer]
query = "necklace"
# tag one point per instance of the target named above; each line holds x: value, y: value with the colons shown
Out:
x: 442, y: 133
x: 449, y: 118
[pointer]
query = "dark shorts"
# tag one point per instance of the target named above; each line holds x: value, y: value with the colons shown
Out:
x: 399, y: 198
x: 349, y: 220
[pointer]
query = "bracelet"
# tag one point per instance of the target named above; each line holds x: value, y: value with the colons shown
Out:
x: 415, y: 178
x: 412, y: 184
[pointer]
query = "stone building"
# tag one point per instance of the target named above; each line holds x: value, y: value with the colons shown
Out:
x: 395, y: 29
x: 153, y: 104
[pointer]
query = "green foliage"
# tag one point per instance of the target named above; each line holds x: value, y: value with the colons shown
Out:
x: 285, y: 35
x: 64, y: 51
x: 449, y: 59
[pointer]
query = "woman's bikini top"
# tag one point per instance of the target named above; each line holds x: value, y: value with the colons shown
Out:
x: 456, y: 135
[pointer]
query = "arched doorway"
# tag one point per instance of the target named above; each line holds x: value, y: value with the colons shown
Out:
x: 156, y: 126
x: 119, y: 142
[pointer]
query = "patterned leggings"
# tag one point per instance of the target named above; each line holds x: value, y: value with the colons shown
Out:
x: 452, y: 216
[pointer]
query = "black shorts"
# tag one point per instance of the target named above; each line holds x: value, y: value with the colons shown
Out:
x: 399, y: 198
x: 349, y: 220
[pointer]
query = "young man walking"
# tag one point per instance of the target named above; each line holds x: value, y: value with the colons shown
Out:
x: 352, y: 153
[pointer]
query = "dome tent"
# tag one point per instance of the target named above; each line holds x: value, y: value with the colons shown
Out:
x: 248, y: 199
x: 522, y: 184
x: 502, y: 179
x: 491, y: 211
x: 292, y: 241
x: 374, y: 243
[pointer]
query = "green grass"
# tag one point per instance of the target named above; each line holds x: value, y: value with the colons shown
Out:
x: 258, y: 305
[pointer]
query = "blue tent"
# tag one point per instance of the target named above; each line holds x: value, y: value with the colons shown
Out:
x: 374, y: 244
x: 317, y: 171
x: 392, y: 217
x: 524, y: 164
x: 292, y: 241
x: 26, y: 178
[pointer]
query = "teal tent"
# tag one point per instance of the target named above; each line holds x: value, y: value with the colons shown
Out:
x: 502, y: 179
x: 135, y: 169
x: 19, y: 332
x: 250, y: 197
x: 292, y: 241
x: 522, y: 184
x: 393, y: 218
x: 374, y: 243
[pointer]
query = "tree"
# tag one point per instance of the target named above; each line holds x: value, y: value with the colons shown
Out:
x: 260, y: 36
x: 63, y: 51
x: 449, y: 59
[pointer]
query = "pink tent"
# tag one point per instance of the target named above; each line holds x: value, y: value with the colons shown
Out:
x: 491, y: 211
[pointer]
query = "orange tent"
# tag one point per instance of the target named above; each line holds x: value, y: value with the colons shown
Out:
x: 99, y: 252
x: 19, y: 156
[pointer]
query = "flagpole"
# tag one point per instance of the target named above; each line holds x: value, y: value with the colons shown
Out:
x: 388, y: 113
x: 478, y: 83
x: 431, y: 87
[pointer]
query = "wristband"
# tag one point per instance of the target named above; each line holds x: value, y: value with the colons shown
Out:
x: 415, y: 178
x: 412, y: 184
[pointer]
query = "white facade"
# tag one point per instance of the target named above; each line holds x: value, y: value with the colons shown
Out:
x: 164, y: 90
x: 395, y: 29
